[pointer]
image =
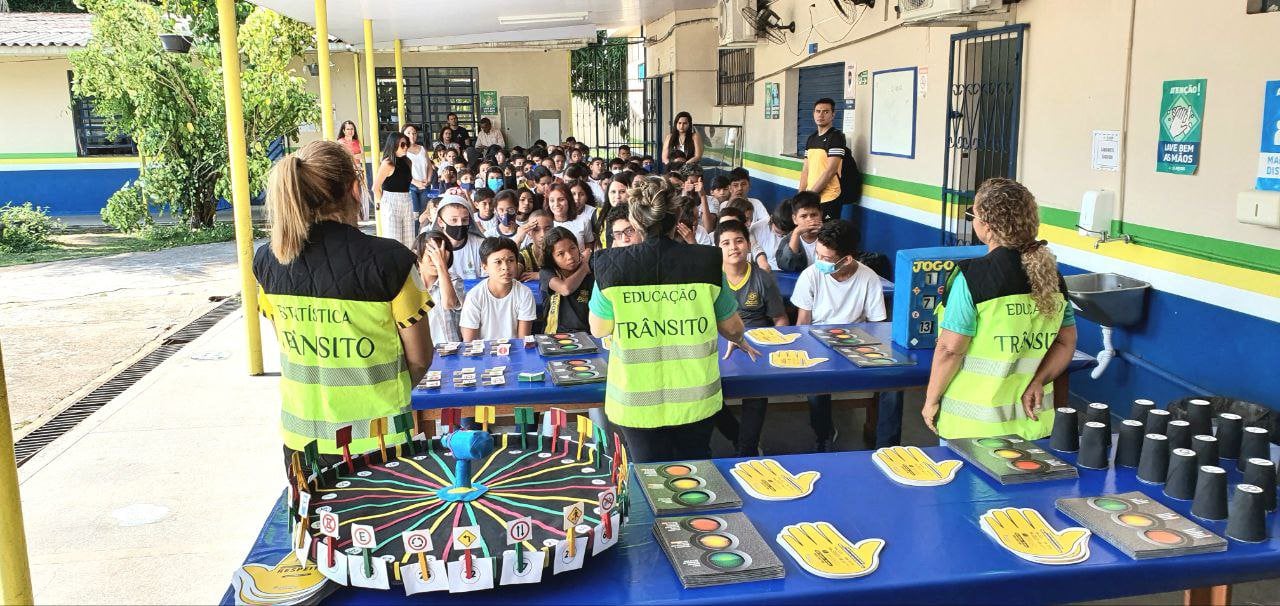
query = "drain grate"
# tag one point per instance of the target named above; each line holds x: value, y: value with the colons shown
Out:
x: 71, y: 416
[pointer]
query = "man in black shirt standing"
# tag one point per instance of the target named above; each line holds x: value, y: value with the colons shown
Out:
x: 824, y: 154
x: 462, y: 137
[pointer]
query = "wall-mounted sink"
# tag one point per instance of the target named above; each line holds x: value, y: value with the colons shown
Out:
x: 1108, y: 299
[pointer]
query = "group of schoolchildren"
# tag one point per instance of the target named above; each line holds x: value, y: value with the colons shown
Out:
x: 510, y: 216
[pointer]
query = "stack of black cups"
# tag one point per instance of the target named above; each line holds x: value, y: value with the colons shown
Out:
x: 1093, y: 446
x: 1200, y: 415
x: 1153, y: 466
x: 1129, y: 447
x: 1248, y: 520
x: 1211, y: 494
x: 1230, y: 426
x: 1066, y: 430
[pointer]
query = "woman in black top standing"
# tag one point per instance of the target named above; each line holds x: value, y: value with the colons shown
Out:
x: 391, y: 190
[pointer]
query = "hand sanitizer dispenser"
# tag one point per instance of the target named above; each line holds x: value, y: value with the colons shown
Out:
x: 1097, y: 208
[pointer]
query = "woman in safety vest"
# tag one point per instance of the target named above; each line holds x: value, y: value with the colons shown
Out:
x: 349, y: 309
x: 1006, y: 331
x: 664, y: 301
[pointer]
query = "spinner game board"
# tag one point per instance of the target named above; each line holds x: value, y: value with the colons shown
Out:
x: 464, y: 511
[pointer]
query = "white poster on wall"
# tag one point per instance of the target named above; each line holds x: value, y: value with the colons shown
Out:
x: 850, y: 80
x: 1106, y: 150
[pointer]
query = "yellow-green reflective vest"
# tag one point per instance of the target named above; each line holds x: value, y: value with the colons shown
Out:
x: 1012, y: 337
x: 663, y: 363
x: 336, y: 310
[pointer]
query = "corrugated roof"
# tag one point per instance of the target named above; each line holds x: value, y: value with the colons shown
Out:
x: 44, y: 29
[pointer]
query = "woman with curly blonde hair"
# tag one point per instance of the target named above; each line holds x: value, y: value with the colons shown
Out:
x: 1005, y: 328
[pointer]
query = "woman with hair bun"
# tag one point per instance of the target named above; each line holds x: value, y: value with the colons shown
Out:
x: 664, y: 301
x: 1005, y: 329
x: 349, y: 309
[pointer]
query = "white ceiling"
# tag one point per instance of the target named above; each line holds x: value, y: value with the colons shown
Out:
x: 457, y: 22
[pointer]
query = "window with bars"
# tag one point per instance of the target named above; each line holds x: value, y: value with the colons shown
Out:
x: 91, y: 132
x: 735, y: 77
x: 430, y: 94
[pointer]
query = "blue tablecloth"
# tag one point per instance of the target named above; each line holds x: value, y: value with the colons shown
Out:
x: 935, y: 551
x: 740, y: 377
x: 786, y: 285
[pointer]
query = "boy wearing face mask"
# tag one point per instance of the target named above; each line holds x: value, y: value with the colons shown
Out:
x: 494, y: 179
x: 836, y: 289
x: 454, y: 219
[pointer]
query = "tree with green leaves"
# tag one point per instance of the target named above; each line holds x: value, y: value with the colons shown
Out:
x: 172, y: 104
x: 598, y: 75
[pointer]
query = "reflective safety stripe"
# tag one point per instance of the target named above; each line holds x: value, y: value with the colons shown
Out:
x: 342, y: 377
x: 1000, y: 413
x: 1000, y: 368
x: 662, y: 396
x: 665, y: 353
x: 324, y: 430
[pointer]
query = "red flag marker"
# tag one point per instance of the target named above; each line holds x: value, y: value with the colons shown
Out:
x: 466, y: 564
x: 343, y: 438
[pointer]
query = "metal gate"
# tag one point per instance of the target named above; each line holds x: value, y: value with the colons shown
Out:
x: 984, y: 81
x: 610, y: 97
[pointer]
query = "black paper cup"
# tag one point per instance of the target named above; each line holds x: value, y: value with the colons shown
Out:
x: 1179, y: 434
x: 1157, y: 421
x: 1153, y: 467
x: 1097, y: 412
x: 1129, y: 447
x: 1262, y: 473
x: 1140, y: 409
x: 1230, y: 428
x: 1093, y: 446
x: 1248, y: 520
x: 1206, y: 448
x: 1181, y: 481
x: 1254, y: 442
x: 1200, y: 414
x: 1066, y: 430
x: 1211, y: 494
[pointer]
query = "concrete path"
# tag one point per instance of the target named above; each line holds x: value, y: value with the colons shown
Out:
x: 157, y: 497
x: 66, y: 324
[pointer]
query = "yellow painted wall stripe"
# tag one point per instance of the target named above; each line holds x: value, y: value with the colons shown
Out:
x: 1228, y: 275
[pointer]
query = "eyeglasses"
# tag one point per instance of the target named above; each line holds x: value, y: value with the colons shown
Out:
x: 969, y: 215
x: 627, y: 233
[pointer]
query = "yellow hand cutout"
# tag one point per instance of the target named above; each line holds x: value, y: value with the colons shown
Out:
x: 771, y: 336
x: 793, y: 358
x: 765, y: 479
x: 820, y: 549
x: 1025, y: 532
x: 911, y: 466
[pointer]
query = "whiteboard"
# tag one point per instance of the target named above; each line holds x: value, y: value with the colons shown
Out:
x: 893, y: 112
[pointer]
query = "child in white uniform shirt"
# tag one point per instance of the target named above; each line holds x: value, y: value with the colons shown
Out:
x: 836, y: 289
x: 500, y: 307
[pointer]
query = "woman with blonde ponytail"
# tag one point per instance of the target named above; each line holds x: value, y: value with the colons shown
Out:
x: 664, y: 301
x: 348, y: 309
x: 1005, y: 328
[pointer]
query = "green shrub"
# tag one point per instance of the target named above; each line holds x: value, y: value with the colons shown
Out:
x: 25, y: 228
x: 127, y: 210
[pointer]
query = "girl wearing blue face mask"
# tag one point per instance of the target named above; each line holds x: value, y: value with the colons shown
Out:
x: 494, y: 179
x: 836, y: 289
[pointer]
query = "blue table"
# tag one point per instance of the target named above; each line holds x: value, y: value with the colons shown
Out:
x: 739, y: 376
x: 935, y: 552
x: 786, y: 285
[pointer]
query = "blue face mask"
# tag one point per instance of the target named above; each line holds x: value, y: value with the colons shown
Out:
x: 467, y: 186
x: 495, y: 184
x: 826, y: 268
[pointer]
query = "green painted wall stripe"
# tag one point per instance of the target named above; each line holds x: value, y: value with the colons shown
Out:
x: 1238, y: 254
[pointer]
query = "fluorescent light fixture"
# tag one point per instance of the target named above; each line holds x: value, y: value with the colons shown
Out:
x: 578, y: 17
